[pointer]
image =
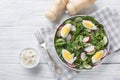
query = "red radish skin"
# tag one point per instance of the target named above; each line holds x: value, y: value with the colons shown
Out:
x: 71, y: 65
x: 58, y: 33
x: 59, y: 30
x: 60, y: 27
x: 86, y: 39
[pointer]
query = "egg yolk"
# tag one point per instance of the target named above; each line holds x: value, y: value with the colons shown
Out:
x: 67, y: 55
x: 98, y: 55
x: 65, y: 30
x: 88, y: 24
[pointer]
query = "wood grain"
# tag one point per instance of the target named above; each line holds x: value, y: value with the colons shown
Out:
x: 19, y: 19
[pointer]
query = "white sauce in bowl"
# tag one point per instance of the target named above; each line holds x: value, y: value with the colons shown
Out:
x: 29, y: 58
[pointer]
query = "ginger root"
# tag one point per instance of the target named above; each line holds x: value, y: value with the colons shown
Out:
x: 58, y: 6
x: 78, y: 5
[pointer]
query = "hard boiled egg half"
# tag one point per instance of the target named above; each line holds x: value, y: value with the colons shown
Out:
x: 97, y: 56
x: 66, y: 29
x: 89, y: 25
x: 68, y: 57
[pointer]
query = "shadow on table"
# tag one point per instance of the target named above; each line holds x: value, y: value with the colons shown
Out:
x: 34, y: 71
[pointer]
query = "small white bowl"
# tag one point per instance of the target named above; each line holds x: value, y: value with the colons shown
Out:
x: 29, y: 65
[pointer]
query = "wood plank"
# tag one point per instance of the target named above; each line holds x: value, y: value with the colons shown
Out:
x: 15, y: 60
x: 26, y: 16
x: 25, y: 8
x: 17, y: 70
x: 13, y: 10
x: 14, y: 39
x: 31, y: 10
x: 11, y: 59
x: 105, y: 71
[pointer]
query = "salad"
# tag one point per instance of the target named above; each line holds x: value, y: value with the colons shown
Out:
x: 81, y: 42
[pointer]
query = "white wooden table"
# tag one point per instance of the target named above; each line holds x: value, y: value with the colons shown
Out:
x: 19, y: 19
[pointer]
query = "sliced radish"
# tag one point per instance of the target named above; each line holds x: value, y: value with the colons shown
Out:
x: 86, y: 66
x: 73, y: 28
x: 89, y: 48
x: 69, y: 37
x: 71, y: 65
x: 58, y: 33
x: 86, y: 39
x: 59, y: 28
x: 91, y: 53
x: 105, y: 53
x: 83, y: 56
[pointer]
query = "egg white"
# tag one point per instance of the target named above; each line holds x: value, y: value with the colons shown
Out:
x: 64, y: 33
x: 72, y: 56
x: 90, y: 22
x: 70, y: 27
x: 96, y: 60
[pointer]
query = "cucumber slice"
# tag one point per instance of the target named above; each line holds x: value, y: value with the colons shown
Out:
x: 105, y: 40
x: 86, y: 66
